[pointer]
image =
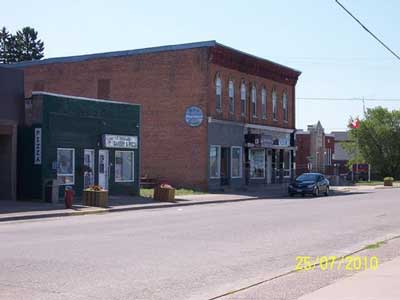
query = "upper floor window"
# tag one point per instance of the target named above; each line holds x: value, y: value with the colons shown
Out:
x: 274, y: 104
x: 243, y: 97
x: 231, y: 92
x: 218, y: 93
x: 264, y: 103
x: 285, y: 106
x: 254, y: 100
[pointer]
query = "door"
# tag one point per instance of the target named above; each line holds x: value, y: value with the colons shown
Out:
x: 103, y: 168
x: 225, y: 170
x: 269, y: 167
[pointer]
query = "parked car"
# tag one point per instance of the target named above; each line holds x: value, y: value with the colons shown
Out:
x: 309, y: 183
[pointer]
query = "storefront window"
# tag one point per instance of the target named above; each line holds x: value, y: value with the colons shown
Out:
x: 236, y: 162
x: 66, y: 166
x: 88, y: 165
x: 215, y: 155
x: 257, y: 163
x: 124, y: 165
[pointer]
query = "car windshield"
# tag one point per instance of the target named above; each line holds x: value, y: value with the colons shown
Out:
x: 307, y: 177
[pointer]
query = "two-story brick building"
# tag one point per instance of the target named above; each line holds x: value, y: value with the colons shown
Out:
x: 211, y: 115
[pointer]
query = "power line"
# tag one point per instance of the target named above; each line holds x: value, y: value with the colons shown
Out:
x: 348, y: 99
x: 367, y: 30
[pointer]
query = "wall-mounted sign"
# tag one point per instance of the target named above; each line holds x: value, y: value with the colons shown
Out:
x: 193, y: 116
x: 120, y: 141
x: 37, y: 155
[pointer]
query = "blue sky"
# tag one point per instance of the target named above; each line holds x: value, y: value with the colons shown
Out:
x: 338, y: 59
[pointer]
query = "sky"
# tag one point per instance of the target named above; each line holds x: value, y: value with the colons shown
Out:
x: 338, y: 59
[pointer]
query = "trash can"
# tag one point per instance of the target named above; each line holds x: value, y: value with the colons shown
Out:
x: 69, y: 196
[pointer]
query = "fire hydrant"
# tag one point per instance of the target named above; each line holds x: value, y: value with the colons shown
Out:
x: 69, y: 196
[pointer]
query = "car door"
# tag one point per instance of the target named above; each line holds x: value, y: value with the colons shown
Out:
x: 321, y: 183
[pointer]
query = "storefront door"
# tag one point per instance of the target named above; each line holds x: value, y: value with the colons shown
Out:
x: 269, y: 167
x: 88, y: 174
x: 103, y: 168
x: 225, y: 174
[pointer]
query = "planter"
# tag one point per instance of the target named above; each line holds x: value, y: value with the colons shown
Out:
x: 164, y: 194
x: 95, y: 198
x: 388, y: 181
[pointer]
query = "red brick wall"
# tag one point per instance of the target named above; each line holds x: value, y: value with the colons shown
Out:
x: 303, y: 151
x: 260, y: 82
x: 165, y: 84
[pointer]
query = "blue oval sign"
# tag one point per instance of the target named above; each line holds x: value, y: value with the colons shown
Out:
x: 194, y: 116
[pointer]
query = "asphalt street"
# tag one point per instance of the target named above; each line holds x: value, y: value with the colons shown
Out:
x: 194, y: 252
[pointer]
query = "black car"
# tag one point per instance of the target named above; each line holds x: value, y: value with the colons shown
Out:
x: 309, y: 183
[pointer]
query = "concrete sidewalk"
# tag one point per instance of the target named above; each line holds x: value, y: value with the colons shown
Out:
x: 381, y: 284
x: 26, y: 210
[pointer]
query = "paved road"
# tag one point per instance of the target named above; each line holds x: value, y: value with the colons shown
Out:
x: 184, y: 253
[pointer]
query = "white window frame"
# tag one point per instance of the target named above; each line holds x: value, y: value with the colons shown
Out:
x: 264, y: 103
x: 285, y: 107
x: 240, y: 162
x: 243, y: 95
x: 73, y: 166
x: 218, y: 92
x: 254, y: 100
x: 274, y: 105
x: 133, y: 166
x: 250, y: 158
x: 231, y: 94
x: 218, y: 162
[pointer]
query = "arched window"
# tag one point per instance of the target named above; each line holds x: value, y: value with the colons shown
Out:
x: 254, y: 100
x: 285, y: 106
x: 243, y: 97
x: 218, y: 93
x: 274, y: 104
x: 264, y: 103
x: 231, y: 92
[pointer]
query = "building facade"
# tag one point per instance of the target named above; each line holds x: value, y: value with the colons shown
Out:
x: 315, y: 150
x: 79, y: 142
x: 212, y: 116
x: 11, y: 115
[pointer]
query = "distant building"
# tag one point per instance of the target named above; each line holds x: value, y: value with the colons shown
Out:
x: 315, y: 150
x: 341, y: 157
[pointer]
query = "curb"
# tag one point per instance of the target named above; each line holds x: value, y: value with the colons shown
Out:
x: 111, y: 210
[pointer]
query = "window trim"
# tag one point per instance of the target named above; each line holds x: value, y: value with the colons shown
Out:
x: 264, y: 103
x: 243, y: 99
x: 218, y: 80
x: 231, y: 99
x: 73, y: 167
x: 240, y: 162
x: 274, y: 105
x: 133, y: 166
x: 254, y: 100
x: 218, y: 162
x: 257, y: 149
x: 285, y: 107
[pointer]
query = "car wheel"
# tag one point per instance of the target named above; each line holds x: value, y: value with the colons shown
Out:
x: 327, y: 191
x: 316, y: 192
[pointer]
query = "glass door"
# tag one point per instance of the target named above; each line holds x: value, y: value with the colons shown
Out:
x: 103, y: 169
x: 88, y: 165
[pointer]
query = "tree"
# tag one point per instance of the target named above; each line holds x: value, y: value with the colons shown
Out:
x: 377, y: 141
x: 22, y: 46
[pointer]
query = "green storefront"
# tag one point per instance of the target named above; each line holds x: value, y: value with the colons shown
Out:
x: 79, y: 142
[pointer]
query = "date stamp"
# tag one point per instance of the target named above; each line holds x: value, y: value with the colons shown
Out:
x: 329, y: 263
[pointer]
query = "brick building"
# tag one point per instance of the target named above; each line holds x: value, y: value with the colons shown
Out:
x: 211, y: 115
x: 315, y: 150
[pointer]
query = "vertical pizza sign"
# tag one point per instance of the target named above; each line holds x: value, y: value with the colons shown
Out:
x: 37, y: 155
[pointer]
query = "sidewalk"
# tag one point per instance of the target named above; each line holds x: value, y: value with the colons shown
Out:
x: 381, y: 284
x: 25, y: 210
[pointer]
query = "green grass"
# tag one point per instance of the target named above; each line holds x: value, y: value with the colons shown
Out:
x: 146, y: 192
x: 375, y: 246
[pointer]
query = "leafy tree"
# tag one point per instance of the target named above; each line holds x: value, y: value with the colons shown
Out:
x: 22, y: 46
x: 377, y: 141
